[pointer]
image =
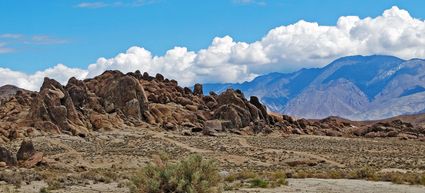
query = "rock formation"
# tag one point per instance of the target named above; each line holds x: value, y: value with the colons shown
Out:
x: 114, y: 100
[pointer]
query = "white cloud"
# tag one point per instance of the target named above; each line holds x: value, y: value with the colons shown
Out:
x: 60, y: 72
x: 128, y: 3
x: 284, y: 48
x: 45, y: 40
x: 4, y: 49
x: 246, y: 2
x: 92, y: 5
x: 10, y: 36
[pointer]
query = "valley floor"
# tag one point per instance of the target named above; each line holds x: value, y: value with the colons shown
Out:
x: 106, y: 161
x: 308, y: 185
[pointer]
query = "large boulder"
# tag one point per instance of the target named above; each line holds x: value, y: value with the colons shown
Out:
x: 54, y: 104
x: 197, y: 90
x: 7, y: 156
x: 238, y: 116
x: 26, y: 150
x: 123, y: 93
x: 233, y: 106
x: 231, y: 97
x: 256, y: 102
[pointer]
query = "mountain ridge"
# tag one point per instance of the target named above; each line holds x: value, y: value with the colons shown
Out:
x: 378, y: 84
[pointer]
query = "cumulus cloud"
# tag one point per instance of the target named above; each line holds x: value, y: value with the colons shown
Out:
x: 59, y: 72
x: 285, y: 48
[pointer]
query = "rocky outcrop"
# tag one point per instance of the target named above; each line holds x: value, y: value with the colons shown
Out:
x: 54, y: 106
x: 114, y: 100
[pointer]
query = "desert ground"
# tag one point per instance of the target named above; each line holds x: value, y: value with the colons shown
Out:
x: 106, y: 161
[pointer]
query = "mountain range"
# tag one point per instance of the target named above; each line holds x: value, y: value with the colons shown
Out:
x: 353, y: 87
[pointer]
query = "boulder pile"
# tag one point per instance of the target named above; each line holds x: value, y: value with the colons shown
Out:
x: 114, y: 100
x: 26, y: 156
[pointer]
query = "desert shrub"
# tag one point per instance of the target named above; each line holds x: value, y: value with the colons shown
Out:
x: 278, y: 178
x: 230, y: 178
x: 422, y: 179
x: 44, y: 190
x: 251, y: 179
x: 404, y: 178
x: 302, y: 174
x: 258, y: 183
x: 242, y: 175
x: 245, y: 174
x: 191, y: 175
x: 100, y: 175
x: 366, y: 173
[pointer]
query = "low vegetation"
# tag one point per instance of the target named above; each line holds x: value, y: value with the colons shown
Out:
x: 397, y: 177
x: 251, y: 179
x: 191, y: 175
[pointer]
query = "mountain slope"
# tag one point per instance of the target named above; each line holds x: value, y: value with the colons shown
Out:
x: 355, y: 87
x: 8, y: 91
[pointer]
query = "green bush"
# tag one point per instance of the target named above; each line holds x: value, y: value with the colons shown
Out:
x: 191, y: 175
x: 258, y: 183
x: 44, y: 190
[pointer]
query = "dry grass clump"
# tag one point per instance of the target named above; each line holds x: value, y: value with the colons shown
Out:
x: 100, y: 175
x: 193, y: 174
x: 251, y: 179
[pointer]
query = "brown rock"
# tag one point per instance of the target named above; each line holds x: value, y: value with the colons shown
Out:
x: 7, y: 156
x: 238, y: 116
x: 47, y: 126
x: 53, y: 104
x: 230, y: 97
x: 197, y: 90
x: 159, y: 77
x: 192, y: 108
x: 256, y: 102
x: 125, y: 94
x: 187, y: 91
x: 34, y: 160
x: 212, y: 126
x: 169, y: 126
x: 184, y: 101
x: 26, y: 150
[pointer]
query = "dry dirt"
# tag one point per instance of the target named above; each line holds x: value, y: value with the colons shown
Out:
x: 104, y: 161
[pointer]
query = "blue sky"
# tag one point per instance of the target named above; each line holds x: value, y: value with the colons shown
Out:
x: 59, y: 31
x: 198, y: 41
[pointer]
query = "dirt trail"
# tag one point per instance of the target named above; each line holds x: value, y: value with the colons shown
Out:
x: 163, y: 136
x: 222, y: 156
x: 244, y: 143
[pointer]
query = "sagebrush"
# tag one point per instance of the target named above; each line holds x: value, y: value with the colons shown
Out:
x: 193, y: 174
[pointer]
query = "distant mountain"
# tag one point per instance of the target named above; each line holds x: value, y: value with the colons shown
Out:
x: 7, y: 91
x: 354, y: 87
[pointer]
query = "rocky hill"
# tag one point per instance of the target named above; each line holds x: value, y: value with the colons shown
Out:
x: 8, y: 91
x: 355, y: 87
x: 115, y: 100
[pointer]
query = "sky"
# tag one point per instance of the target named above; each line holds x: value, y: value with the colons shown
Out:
x: 198, y: 41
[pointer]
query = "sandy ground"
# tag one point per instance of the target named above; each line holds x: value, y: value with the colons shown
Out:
x: 312, y: 185
x: 81, y: 165
x: 309, y: 185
